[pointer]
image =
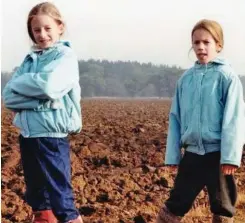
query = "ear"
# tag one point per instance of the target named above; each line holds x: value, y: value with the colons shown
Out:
x: 61, y: 28
x: 218, y: 48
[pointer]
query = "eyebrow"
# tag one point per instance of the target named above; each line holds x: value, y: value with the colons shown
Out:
x: 200, y: 40
x: 38, y: 27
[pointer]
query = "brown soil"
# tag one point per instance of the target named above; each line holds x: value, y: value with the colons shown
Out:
x: 117, y: 166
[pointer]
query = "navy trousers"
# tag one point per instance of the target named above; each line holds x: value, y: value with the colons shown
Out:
x: 194, y: 173
x: 47, y: 172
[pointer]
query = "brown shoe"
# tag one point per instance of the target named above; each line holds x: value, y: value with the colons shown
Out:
x: 222, y: 219
x: 45, y: 216
x: 165, y: 216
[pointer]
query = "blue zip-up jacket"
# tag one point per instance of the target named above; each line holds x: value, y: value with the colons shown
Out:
x: 45, y: 93
x: 207, y: 114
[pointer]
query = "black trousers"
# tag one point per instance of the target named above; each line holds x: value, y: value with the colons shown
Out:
x: 194, y: 173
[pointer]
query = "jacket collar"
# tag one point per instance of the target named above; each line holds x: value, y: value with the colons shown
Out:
x: 35, y: 50
x: 211, y: 63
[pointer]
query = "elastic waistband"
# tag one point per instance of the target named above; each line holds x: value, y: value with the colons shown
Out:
x: 46, y: 134
x: 207, y: 148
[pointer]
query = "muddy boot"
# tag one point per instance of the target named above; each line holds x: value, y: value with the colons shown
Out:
x: 45, y: 216
x: 165, y: 216
x: 222, y: 219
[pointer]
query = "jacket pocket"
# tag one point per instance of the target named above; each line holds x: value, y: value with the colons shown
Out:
x: 184, y: 129
x: 185, y: 121
x: 17, y: 121
x: 216, y: 127
x: 75, y: 121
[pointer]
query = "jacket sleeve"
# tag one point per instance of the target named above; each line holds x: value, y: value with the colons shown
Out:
x: 233, y: 125
x: 16, y: 102
x: 173, y: 149
x: 54, y: 81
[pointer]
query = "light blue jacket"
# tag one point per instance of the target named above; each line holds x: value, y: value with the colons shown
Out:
x: 207, y: 114
x: 45, y: 93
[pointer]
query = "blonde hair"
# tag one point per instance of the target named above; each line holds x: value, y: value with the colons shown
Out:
x: 45, y: 8
x: 213, y: 28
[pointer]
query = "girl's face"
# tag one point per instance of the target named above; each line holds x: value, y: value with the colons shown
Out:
x: 204, y: 45
x: 46, y: 30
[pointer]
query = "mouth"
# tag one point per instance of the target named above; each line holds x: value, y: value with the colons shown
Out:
x: 43, y: 41
x: 202, y: 55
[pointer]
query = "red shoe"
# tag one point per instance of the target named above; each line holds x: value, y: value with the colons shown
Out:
x: 45, y: 216
x: 77, y: 220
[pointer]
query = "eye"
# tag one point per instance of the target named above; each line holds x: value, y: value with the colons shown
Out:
x: 196, y: 42
x: 48, y: 28
x: 36, y: 30
x: 206, y: 42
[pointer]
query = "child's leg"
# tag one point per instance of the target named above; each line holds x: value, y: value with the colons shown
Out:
x: 222, y: 195
x: 36, y: 191
x: 54, y: 159
x: 188, y: 183
x: 222, y: 192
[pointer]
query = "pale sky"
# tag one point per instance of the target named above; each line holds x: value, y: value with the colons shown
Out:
x: 156, y: 31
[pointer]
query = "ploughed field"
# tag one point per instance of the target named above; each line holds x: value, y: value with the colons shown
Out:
x: 118, y: 174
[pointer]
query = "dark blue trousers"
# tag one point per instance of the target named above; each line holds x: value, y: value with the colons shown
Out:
x: 47, y: 172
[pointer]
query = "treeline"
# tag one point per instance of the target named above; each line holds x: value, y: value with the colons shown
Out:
x: 124, y: 79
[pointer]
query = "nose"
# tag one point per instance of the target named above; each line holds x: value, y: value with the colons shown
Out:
x: 42, y: 33
x: 200, y: 46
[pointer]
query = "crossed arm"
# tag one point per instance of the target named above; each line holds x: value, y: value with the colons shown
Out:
x: 38, y: 90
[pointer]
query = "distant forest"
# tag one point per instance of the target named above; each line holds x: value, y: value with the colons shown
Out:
x: 124, y: 79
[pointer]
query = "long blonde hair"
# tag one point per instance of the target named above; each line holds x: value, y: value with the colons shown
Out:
x: 45, y: 8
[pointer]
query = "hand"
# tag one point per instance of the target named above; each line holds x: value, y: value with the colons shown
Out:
x: 228, y: 169
x: 56, y: 104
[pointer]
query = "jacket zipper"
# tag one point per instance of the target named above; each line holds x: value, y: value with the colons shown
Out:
x: 200, y: 113
x: 24, y: 115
